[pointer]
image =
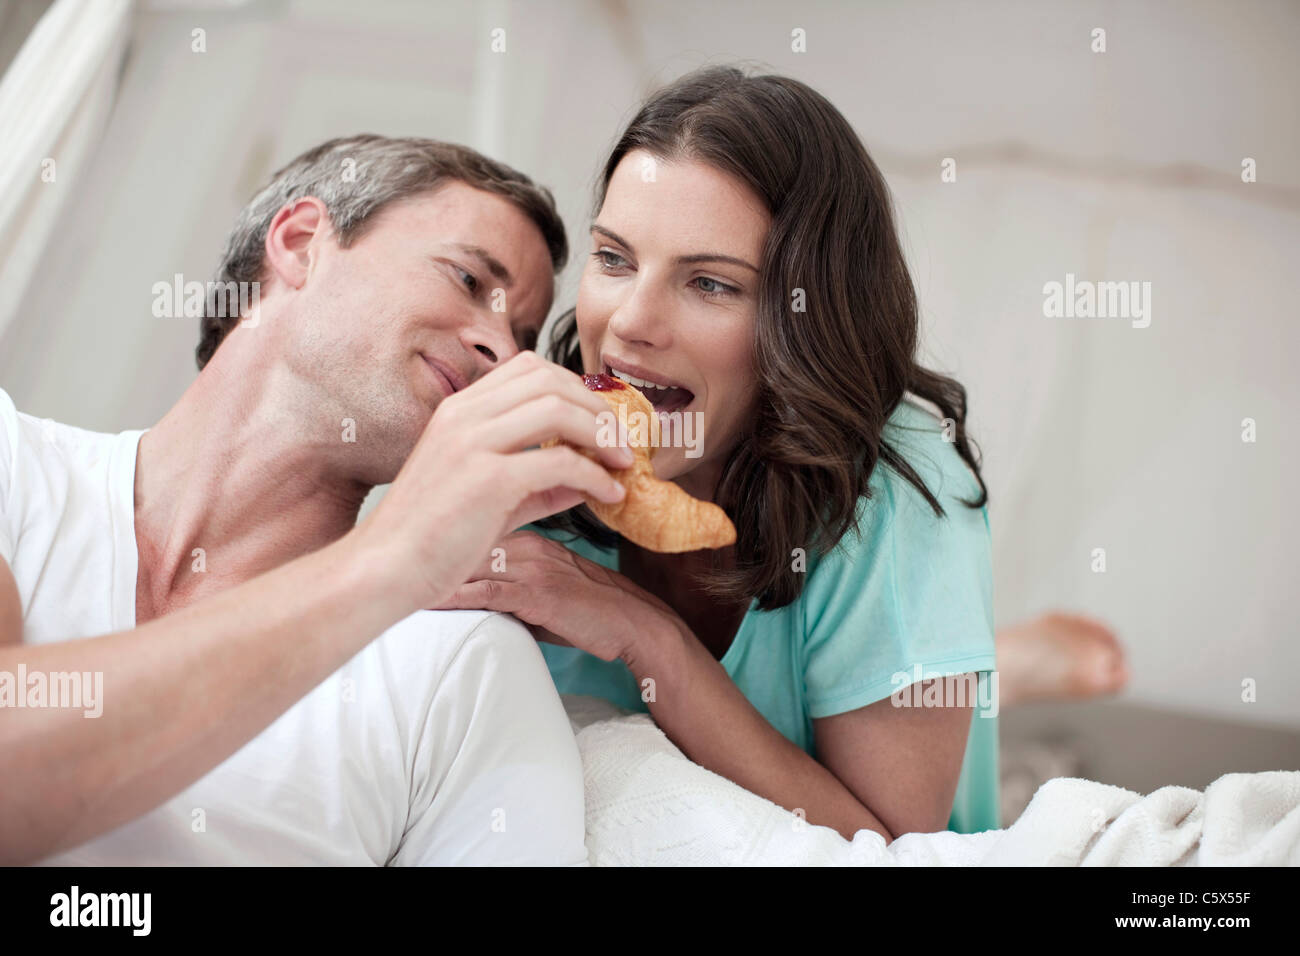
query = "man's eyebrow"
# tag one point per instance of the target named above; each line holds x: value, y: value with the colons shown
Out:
x: 684, y: 260
x: 493, y: 265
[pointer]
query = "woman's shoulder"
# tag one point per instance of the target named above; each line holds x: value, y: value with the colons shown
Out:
x: 926, y: 443
x: 895, y: 505
x: 900, y: 540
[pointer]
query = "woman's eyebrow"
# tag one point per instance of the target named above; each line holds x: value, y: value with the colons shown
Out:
x: 683, y: 260
x: 715, y: 257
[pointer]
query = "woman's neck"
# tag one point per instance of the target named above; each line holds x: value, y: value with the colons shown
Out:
x: 673, y: 578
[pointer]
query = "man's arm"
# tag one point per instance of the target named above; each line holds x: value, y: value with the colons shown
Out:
x: 11, y: 607
x: 180, y: 694
x: 184, y: 692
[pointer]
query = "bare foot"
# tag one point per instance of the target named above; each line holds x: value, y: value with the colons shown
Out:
x: 1056, y: 656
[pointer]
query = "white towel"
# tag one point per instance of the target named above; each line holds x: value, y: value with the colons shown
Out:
x: 648, y: 805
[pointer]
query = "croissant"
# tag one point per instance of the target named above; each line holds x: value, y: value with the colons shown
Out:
x: 655, y: 514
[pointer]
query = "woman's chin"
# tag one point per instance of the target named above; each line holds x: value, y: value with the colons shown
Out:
x: 669, y: 465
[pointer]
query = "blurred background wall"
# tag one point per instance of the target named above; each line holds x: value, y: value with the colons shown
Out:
x: 1123, y: 165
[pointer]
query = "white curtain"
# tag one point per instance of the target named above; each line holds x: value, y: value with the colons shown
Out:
x: 54, y: 101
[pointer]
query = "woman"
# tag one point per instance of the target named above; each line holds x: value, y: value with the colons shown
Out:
x: 744, y: 270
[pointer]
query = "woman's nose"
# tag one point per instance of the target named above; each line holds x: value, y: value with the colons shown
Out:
x: 643, y: 317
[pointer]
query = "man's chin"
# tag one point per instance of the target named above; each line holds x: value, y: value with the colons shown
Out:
x: 386, y: 439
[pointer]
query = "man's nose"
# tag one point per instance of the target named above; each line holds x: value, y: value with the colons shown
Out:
x: 490, y: 344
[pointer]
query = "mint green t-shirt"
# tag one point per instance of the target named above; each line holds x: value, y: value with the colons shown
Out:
x: 910, y: 599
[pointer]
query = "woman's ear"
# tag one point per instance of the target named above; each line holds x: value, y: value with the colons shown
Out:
x: 290, y: 236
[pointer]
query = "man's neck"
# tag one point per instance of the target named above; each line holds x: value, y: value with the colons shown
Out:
x: 228, y: 485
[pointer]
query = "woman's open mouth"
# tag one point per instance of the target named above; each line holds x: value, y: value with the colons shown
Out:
x: 664, y: 398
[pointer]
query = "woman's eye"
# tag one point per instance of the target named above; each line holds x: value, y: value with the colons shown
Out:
x: 610, y: 260
x: 712, y: 287
x: 471, y: 282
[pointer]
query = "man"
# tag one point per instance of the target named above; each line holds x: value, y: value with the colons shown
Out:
x: 272, y: 691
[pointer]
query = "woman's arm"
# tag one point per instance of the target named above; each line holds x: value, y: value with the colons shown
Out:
x: 889, y: 769
x: 903, y: 762
x: 884, y: 771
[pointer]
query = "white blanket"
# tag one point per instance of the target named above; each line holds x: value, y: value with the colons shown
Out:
x: 647, y: 804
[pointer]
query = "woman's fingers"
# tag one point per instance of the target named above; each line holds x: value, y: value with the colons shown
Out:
x: 484, y: 595
x: 509, y: 556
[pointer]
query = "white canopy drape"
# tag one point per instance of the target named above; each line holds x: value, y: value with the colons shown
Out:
x: 54, y: 101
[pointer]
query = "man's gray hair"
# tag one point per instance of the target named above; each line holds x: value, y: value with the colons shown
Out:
x: 355, y: 177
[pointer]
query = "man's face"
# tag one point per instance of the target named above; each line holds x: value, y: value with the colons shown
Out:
x: 439, y: 289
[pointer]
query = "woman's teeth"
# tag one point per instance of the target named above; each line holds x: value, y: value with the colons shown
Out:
x: 663, y: 397
x: 638, y: 382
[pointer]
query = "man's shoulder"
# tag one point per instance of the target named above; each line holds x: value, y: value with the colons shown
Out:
x: 61, y: 488
x: 434, y: 639
x: 450, y: 626
x: 53, y: 447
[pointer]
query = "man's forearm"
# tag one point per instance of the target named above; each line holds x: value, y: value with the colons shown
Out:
x: 706, y: 715
x: 180, y: 695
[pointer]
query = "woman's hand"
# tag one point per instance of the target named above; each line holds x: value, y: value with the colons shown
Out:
x: 564, y: 598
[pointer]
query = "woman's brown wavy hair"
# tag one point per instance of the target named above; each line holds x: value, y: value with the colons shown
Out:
x: 828, y: 377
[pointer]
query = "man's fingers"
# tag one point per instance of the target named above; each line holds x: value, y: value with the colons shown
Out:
x: 494, y: 396
x: 550, y: 416
x: 542, y: 469
x: 514, y: 367
x: 543, y: 504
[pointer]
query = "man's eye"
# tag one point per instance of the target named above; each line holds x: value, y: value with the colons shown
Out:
x: 469, y: 279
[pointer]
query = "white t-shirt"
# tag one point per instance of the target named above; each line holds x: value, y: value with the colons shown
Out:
x: 442, y: 742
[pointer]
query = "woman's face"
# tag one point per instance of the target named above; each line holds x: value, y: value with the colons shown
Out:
x: 669, y: 296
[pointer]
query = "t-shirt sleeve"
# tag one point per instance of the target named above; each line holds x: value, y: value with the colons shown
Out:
x: 8, y: 464
x: 908, y: 599
x: 498, y: 777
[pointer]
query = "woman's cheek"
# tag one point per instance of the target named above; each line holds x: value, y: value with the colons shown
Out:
x: 731, y: 406
x: 593, y: 311
x: 595, y: 289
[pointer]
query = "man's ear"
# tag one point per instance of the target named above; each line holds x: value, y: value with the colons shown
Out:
x: 290, y: 236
